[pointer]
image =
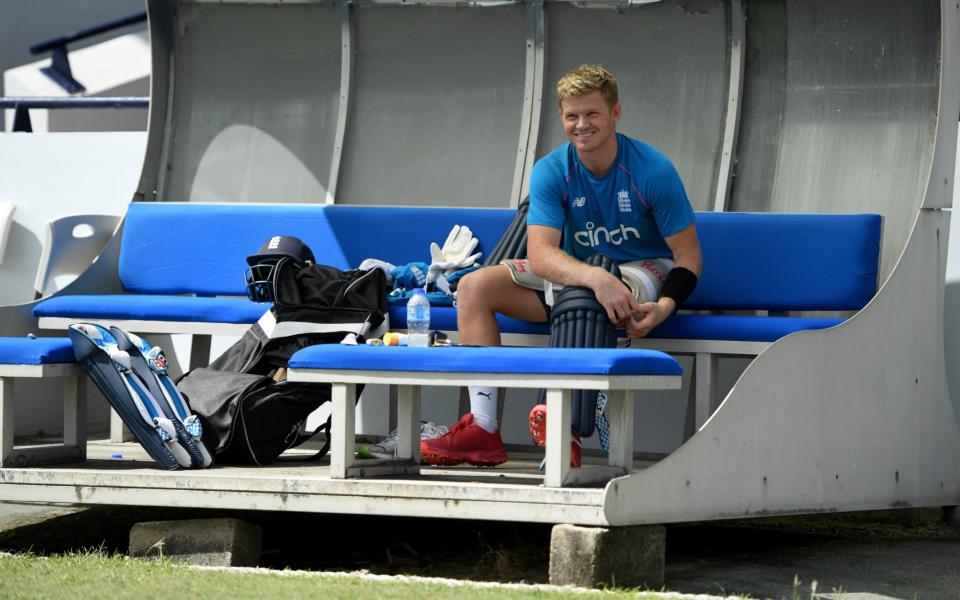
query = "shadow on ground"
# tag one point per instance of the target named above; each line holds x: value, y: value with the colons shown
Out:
x: 482, y: 550
x: 877, y: 557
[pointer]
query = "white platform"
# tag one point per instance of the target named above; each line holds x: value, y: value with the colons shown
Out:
x: 511, y: 492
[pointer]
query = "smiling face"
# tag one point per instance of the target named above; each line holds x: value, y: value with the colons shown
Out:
x: 590, y: 123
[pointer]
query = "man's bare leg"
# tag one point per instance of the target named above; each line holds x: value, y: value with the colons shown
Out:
x: 485, y: 292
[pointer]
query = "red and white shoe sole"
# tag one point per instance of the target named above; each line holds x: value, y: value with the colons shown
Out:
x: 490, y: 458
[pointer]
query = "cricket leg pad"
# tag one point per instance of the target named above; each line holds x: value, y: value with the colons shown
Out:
x: 578, y: 320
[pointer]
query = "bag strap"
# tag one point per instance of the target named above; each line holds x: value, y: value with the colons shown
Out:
x: 304, y: 437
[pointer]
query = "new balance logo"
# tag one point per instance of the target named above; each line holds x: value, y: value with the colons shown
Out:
x: 580, y: 202
x: 594, y: 236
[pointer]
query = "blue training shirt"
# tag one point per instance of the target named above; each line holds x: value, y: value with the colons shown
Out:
x: 626, y: 214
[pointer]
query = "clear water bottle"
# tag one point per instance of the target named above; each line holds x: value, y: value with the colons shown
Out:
x: 418, y: 319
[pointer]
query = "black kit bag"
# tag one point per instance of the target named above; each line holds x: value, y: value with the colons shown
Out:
x: 251, y: 413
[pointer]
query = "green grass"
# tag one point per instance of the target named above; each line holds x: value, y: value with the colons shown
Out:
x: 95, y: 575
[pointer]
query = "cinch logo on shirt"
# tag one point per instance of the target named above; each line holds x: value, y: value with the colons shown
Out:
x: 593, y: 237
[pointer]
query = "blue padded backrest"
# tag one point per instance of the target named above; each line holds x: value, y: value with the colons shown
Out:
x: 751, y: 260
x: 787, y: 261
x: 173, y: 248
x: 400, y: 235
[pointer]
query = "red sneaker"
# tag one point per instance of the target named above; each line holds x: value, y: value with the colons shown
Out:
x: 538, y: 429
x: 466, y: 442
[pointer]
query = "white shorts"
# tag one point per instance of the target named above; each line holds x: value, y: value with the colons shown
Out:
x: 644, y: 277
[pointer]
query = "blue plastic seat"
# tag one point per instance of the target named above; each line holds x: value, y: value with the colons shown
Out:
x: 35, y: 351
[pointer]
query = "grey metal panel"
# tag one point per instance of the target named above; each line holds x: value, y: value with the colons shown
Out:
x: 346, y: 74
x: 731, y: 128
x: 762, y: 112
x: 161, y: 22
x: 532, y: 102
x: 436, y: 106
x: 859, y: 116
x: 672, y: 66
x: 256, y: 99
x: 856, y: 417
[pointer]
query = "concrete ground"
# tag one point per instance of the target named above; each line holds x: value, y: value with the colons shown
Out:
x: 901, y: 555
x: 872, y: 557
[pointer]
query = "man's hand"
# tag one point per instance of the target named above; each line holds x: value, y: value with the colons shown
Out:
x: 648, y: 316
x: 615, y: 297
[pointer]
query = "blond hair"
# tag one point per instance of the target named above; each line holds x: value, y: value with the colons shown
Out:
x: 586, y: 79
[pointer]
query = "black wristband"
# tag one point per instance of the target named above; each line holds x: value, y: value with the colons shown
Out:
x: 679, y: 284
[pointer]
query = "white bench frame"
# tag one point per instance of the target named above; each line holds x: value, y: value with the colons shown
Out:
x: 74, y: 446
x: 343, y: 463
x: 704, y: 391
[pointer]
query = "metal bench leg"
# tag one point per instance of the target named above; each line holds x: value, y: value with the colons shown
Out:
x: 392, y: 410
x: 408, y: 422
x: 6, y: 420
x: 620, y: 416
x: 501, y: 397
x: 558, y: 437
x: 707, y: 391
x: 75, y: 414
x: 74, y: 446
x: 119, y: 432
x: 199, y: 350
x: 342, y: 429
x: 463, y: 402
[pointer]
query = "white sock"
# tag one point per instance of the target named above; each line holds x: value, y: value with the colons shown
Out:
x: 483, y: 405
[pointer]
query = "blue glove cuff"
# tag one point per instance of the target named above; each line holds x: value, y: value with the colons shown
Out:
x: 412, y: 275
x: 454, y: 277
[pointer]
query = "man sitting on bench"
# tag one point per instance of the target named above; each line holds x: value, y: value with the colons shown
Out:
x: 601, y: 204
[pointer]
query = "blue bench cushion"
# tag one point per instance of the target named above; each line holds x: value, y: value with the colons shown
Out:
x: 787, y: 261
x: 35, y: 351
x: 242, y: 311
x: 677, y: 327
x: 152, y: 308
x: 736, y: 327
x: 456, y: 359
x: 444, y: 318
x: 177, y: 248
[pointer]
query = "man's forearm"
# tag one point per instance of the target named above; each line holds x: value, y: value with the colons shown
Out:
x: 555, y: 265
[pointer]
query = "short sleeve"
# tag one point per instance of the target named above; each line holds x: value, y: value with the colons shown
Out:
x: 671, y: 207
x: 547, y: 186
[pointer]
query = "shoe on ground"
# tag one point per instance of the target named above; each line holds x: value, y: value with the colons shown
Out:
x: 466, y: 442
x: 538, y: 429
x: 387, y: 448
